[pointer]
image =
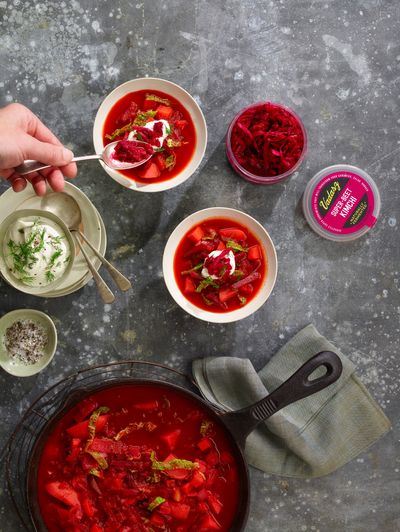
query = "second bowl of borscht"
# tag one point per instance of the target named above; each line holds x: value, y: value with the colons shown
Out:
x: 162, y: 115
x: 220, y: 265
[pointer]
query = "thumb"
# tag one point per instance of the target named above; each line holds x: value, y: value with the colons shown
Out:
x: 45, y: 152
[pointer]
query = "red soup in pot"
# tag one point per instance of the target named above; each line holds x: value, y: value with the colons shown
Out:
x: 160, y: 120
x: 138, y: 458
x: 219, y: 265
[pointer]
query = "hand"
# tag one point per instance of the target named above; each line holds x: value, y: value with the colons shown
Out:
x: 23, y: 136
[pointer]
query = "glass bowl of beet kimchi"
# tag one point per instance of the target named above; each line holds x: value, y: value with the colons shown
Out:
x: 164, y: 116
x: 266, y: 143
x: 220, y: 265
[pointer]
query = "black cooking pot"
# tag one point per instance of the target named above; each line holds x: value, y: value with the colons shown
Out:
x: 236, y: 425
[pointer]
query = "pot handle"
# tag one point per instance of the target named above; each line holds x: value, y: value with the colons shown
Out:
x: 298, y: 386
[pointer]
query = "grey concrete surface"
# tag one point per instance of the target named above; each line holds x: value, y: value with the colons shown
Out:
x: 337, y: 64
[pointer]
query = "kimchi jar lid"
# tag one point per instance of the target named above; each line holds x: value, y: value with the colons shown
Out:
x: 341, y: 203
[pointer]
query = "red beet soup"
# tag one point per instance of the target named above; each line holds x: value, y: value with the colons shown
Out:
x: 160, y: 120
x: 219, y: 265
x: 138, y: 457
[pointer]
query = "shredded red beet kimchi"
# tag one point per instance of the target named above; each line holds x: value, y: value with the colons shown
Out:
x: 267, y: 140
x: 131, y: 151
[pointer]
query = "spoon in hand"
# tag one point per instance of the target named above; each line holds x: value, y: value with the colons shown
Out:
x: 106, y: 156
x: 66, y: 208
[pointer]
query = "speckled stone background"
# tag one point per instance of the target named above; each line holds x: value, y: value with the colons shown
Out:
x: 337, y: 64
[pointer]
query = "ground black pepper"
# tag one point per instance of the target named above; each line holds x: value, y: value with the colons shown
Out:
x: 25, y: 341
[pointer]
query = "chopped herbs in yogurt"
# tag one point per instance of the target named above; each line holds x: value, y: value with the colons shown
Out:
x: 36, y: 251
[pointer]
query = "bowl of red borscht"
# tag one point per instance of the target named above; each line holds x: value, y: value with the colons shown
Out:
x: 161, y: 114
x: 220, y: 265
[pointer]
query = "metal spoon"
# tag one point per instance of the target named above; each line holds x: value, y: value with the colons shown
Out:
x: 65, y: 206
x: 29, y: 166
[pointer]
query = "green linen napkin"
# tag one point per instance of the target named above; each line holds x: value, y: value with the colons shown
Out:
x: 311, y: 437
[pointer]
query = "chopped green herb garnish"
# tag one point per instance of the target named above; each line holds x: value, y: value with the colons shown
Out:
x: 24, y: 253
x: 170, y: 161
x: 238, y: 273
x: 103, y: 464
x: 56, y: 240
x: 194, y: 269
x: 27, y: 279
x: 93, y: 421
x: 158, y: 150
x: 208, y: 281
x: 54, y: 257
x: 206, y: 300
x: 205, y: 427
x: 235, y: 246
x: 242, y: 299
x: 173, y: 143
x: 143, y: 116
x: 155, y: 502
x: 168, y: 129
x: 176, y: 463
x: 156, y: 98
x: 119, y: 132
x: 50, y: 276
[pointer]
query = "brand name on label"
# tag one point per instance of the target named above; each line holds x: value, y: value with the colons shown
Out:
x: 324, y: 203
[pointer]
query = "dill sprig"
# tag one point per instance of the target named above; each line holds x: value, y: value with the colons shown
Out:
x: 54, y: 257
x: 23, y: 254
x: 26, y: 254
x: 49, y: 276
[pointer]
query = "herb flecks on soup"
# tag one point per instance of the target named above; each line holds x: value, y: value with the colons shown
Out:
x: 138, y: 457
x: 159, y: 120
x: 219, y: 265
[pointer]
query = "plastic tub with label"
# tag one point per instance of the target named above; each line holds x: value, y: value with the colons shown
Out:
x: 341, y: 203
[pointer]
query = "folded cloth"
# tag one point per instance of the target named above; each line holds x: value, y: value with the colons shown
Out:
x: 311, y: 437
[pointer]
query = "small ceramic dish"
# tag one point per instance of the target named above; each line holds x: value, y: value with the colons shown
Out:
x: 14, y: 366
x: 244, y: 220
x: 173, y: 90
x: 4, y: 267
x: 248, y: 174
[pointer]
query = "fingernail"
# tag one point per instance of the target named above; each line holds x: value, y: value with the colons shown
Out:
x: 67, y: 154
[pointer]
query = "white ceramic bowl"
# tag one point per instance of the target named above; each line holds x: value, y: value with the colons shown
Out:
x: 176, y: 92
x: 14, y: 367
x: 259, y: 232
x: 8, y: 276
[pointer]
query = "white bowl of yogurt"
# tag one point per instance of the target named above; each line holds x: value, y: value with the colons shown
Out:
x: 37, y: 250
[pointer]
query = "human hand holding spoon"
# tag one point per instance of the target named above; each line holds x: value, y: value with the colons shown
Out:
x: 109, y: 156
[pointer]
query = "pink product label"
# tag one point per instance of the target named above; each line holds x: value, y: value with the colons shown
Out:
x: 343, y: 203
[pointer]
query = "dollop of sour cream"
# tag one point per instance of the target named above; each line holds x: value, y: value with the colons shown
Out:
x: 214, y: 254
x: 150, y: 125
x: 36, y: 251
